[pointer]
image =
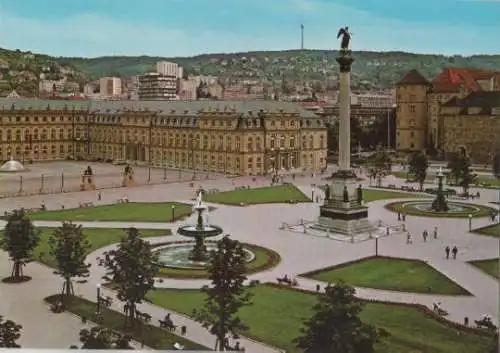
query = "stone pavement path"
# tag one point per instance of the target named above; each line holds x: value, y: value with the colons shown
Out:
x: 260, y: 225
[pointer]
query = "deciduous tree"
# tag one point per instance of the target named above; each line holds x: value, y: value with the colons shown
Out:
x: 132, y: 268
x: 20, y: 238
x: 69, y: 246
x: 335, y: 325
x: 10, y: 332
x: 418, y: 163
x: 227, y: 294
x: 103, y: 338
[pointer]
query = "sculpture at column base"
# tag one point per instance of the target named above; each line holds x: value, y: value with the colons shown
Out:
x: 87, y: 180
x: 343, y: 174
x: 128, y: 176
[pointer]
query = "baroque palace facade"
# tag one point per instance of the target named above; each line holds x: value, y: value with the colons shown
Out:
x: 239, y: 138
x: 457, y: 110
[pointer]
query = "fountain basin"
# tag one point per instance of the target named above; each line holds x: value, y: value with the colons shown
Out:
x: 207, y: 231
x: 455, y: 209
x: 262, y: 259
x: 177, y: 255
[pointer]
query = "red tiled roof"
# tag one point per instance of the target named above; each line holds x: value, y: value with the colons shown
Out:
x: 450, y: 79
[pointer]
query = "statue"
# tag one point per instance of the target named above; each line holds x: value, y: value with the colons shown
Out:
x: 346, y: 38
x: 327, y: 192
x: 360, y: 194
x: 346, y: 194
x: 88, y: 171
x: 199, y: 199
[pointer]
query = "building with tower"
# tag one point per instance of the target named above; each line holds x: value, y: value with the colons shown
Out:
x: 423, y: 109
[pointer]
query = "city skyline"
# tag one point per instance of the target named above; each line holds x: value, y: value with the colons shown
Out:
x: 172, y: 28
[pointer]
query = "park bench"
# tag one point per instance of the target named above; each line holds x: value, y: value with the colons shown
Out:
x: 485, y: 323
x: 86, y: 204
x: 167, y: 325
x: 287, y: 281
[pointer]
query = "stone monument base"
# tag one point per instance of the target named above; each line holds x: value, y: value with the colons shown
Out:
x: 344, y: 212
x: 87, y: 183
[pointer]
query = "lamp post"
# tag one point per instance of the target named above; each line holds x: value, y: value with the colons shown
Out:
x: 313, y: 189
x: 173, y: 212
x: 376, y: 245
x: 98, y: 299
x: 470, y: 222
x: 62, y: 179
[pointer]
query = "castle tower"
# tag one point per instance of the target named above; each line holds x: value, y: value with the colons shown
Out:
x: 412, y: 112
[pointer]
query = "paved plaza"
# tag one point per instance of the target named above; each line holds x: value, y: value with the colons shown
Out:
x: 258, y: 225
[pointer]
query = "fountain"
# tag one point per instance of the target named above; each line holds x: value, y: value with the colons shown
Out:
x: 12, y: 166
x: 440, y: 204
x: 200, y: 231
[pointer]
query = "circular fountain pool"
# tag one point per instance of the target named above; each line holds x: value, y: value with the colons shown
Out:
x: 177, y: 255
x: 455, y: 209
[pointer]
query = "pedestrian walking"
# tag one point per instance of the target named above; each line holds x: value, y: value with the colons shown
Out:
x: 409, y: 239
x: 454, y: 251
x: 425, y: 234
x: 404, y: 217
x: 399, y: 216
x: 435, y: 232
x: 98, y: 196
x: 447, y: 251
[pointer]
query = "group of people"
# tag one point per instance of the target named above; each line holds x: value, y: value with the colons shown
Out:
x: 453, y: 251
x: 425, y: 235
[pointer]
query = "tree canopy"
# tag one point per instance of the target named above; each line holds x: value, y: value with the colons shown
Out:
x: 10, y: 332
x: 103, y: 338
x: 132, y: 269
x: 335, y: 325
x: 20, y: 238
x: 69, y: 247
x: 418, y: 163
x: 227, y: 294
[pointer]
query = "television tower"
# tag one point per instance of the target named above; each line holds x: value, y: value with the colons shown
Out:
x: 301, y: 37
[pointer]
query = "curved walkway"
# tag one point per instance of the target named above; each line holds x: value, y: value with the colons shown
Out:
x: 300, y: 253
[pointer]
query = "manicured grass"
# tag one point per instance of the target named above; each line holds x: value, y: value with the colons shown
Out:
x: 390, y: 274
x: 488, y: 180
x: 488, y: 266
x: 151, y: 336
x: 264, y: 260
x: 492, y: 230
x: 98, y: 237
x: 374, y: 195
x: 277, y: 314
x: 124, y: 212
x: 475, y: 210
x: 255, y: 196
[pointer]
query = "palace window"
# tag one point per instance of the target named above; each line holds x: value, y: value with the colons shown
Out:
x: 61, y: 148
x: 282, y: 141
x: 221, y: 143
x: 52, y: 134
x: 238, y: 144
x: 250, y: 144
x: 311, y: 142
x: 259, y: 163
x: 304, y: 143
x: 18, y: 135
x: 212, y: 142
x: 272, y: 142
x: 292, y: 142
x: 229, y: 145
x: 282, y: 123
x: 258, y: 144
x: 412, y: 108
x: 250, y: 163
x: 321, y: 142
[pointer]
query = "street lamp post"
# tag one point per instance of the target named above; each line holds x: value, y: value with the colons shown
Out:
x: 470, y: 222
x: 98, y: 299
x: 376, y: 245
x: 173, y: 212
x: 313, y: 189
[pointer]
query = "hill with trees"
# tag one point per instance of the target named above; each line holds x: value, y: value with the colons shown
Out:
x: 318, y: 67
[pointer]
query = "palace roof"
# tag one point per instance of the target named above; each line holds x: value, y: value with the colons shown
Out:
x: 247, y: 109
x: 451, y: 79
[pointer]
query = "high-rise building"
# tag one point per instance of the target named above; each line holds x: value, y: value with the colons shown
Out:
x: 110, y: 87
x: 155, y: 86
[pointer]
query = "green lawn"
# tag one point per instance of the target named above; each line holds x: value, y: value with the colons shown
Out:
x: 492, y: 231
x: 489, y: 180
x: 124, y: 212
x: 277, y: 314
x: 374, y: 195
x: 488, y: 266
x: 98, y: 238
x: 151, y: 336
x: 255, y: 196
x: 391, y: 274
